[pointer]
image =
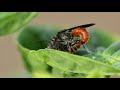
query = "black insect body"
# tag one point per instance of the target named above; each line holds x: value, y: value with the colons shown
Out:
x: 61, y: 41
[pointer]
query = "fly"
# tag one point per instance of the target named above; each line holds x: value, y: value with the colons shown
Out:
x: 64, y: 40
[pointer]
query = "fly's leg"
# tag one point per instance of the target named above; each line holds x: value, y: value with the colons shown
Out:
x: 69, y: 48
x: 88, y: 51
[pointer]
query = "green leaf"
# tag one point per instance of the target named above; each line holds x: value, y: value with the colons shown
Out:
x: 95, y: 74
x: 31, y: 38
x: 109, y: 56
x: 36, y: 37
x: 73, y: 63
x: 112, y: 49
x: 43, y: 74
x: 12, y: 21
x: 42, y: 62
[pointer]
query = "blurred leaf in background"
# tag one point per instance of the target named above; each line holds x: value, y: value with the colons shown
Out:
x: 12, y: 21
x: 43, y: 62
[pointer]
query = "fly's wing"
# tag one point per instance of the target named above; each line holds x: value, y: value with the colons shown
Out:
x: 83, y: 26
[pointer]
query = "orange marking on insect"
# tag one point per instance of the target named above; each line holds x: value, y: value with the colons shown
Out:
x: 81, y: 32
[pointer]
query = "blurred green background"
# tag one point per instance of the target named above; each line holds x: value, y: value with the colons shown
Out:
x: 11, y: 64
